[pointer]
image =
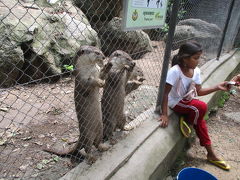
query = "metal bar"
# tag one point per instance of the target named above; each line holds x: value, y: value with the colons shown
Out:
x: 225, y: 29
x: 167, y: 53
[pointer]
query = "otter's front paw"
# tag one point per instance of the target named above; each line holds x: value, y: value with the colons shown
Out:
x: 91, y: 159
x: 141, y: 79
x: 107, y: 67
x: 130, y: 67
x: 127, y: 67
x: 101, y: 83
x: 103, y: 147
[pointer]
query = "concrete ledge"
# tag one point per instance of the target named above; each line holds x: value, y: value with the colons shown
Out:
x: 149, y: 151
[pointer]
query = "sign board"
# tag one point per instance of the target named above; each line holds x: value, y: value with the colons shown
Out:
x: 144, y: 14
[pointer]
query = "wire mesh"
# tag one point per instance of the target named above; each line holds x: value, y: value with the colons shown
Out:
x: 41, y: 66
x: 204, y: 22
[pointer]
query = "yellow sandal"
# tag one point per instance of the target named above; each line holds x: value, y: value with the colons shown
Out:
x: 185, y: 129
x: 221, y: 164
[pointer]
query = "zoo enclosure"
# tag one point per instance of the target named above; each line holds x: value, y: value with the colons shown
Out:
x: 38, y: 41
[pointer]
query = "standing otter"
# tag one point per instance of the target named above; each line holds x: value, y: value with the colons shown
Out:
x: 88, y: 80
x: 135, y: 80
x: 114, y: 92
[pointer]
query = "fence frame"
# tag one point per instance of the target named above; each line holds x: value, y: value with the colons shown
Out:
x: 225, y: 29
x: 167, y: 54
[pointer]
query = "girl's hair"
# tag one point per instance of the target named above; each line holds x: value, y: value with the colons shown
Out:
x: 186, y: 50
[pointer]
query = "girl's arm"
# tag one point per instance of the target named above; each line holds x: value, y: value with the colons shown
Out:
x: 164, y: 114
x: 204, y: 91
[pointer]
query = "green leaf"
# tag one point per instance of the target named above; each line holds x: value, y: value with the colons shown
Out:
x: 46, y: 161
x: 68, y: 67
x: 39, y: 166
x: 56, y: 158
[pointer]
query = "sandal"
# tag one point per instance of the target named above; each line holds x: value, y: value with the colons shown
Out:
x: 221, y: 164
x: 185, y: 129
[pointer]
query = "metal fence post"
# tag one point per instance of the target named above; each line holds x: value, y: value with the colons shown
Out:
x: 167, y: 53
x: 225, y: 29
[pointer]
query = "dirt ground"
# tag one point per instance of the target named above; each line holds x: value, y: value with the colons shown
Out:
x: 224, y: 130
x: 39, y: 115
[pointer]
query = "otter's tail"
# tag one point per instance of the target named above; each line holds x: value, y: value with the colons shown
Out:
x: 71, y: 153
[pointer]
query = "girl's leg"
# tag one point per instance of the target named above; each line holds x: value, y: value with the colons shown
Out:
x: 210, y: 153
x: 195, y: 111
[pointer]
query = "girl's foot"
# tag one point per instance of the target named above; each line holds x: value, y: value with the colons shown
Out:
x: 212, y: 157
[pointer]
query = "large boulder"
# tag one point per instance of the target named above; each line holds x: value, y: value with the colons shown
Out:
x: 136, y: 43
x: 56, y: 39
x: 207, y: 34
x: 100, y: 10
x: 48, y: 36
x: 11, y: 58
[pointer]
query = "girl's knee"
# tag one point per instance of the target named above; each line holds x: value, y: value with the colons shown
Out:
x: 202, y: 107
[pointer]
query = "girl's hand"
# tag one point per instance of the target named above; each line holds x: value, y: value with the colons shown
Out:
x: 223, y: 86
x: 164, y: 121
x: 236, y: 79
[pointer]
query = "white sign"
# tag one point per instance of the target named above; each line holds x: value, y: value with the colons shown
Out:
x: 148, y: 3
x: 144, y: 14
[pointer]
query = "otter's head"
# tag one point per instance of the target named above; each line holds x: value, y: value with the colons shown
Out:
x: 121, y: 59
x: 90, y: 55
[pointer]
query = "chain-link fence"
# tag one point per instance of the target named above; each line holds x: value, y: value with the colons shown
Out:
x: 58, y: 97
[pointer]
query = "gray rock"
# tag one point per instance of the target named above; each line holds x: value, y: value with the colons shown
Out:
x: 11, y: 58
x: 135, y: 43
x: 97, y: 10
x: 207, y: 34
x: 52, y: 1
x: 48, y: 36
x: 234, y: 116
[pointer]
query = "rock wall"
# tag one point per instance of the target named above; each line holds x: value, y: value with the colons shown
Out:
x: 47, y: 34
x: 41, y: 39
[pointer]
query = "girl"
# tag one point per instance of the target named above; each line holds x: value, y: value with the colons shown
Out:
x: 183, y: 75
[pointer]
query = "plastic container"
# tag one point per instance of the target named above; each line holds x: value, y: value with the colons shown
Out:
x: 190, y: 173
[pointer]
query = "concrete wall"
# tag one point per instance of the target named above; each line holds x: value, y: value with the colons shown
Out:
x: 148, y: 151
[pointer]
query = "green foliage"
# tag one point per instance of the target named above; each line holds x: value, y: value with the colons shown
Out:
x: 220, y: 104
x: 165, y: 28
x: 68, y: 67
x: 223, y: 99
x: 181, y: 11
x: 206, y: 117
x: 181, y: 14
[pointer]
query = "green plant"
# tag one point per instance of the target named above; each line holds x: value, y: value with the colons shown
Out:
x: 165, y: 28
x: 68, y: 67
x: 223, y: 99
x: 181, y: 14
x: 181, y: 11
x: 206, y: 117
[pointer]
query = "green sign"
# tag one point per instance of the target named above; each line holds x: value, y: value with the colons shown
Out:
x: 144, y: 14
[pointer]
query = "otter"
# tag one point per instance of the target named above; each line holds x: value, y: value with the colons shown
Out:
x: 135, y: 80
x: 114, y: 92
x: 88, y: 80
